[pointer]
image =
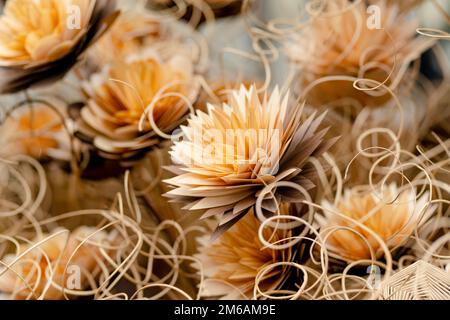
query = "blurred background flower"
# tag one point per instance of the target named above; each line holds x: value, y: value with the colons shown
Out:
x: 39, y: 269
x: 135, y: 29
x: 390, y: 213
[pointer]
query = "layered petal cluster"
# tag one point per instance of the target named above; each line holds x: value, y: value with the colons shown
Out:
x: 45, y: 267
x: 230, y: 154
x: 369, y: 39
x: 41, y: 40
x: 116, y: 116
x: 391, y: 214
x: 37, y: 131
x: 232, y: 263
x: 133, y: 30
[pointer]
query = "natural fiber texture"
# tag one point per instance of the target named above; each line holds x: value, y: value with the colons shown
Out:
x: 269, y: 144
x: 198, y: 11
x: 419, y: 281
x: 133, y: 102
x: 219, y: 92
x: 134, y: 30
x: 89, y: 211
x: 37, y: 43
x: 360, y: 216
x: 40, y: 269
x: 344, y: 40
x: 408, y: 4
x: 232, y: 263
x: 36, y: 131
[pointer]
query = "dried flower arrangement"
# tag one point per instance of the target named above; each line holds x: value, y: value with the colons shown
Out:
x: 131, y: 169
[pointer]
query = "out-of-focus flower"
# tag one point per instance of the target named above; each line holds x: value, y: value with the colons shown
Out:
x: 133, y: 30
x: 36, y: 131
x: 119, y: 96
x: 234, y: 151
x: 41, y: 40
x: 374, y: 40
x: 231, y: 264
x: 389, y: 213
x: 42, y: 269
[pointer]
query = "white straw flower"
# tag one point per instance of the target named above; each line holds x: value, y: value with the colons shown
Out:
x: 234, y: 151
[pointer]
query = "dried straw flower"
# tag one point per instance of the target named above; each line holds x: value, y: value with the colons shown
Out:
x: 41, y: 40
x: 346, y: 39
x: 129, y: 92
x: 36, y: 131
x: 27, y: 274
x: 133, y: 30
x: 391, y: 214
x: 232, y: 263
x: 233, y: 152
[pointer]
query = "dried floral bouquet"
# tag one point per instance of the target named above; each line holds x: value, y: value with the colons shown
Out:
x: 139, y: 159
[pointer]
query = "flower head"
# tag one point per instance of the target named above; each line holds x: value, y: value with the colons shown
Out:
x: 131, y: 32
x: 390, y: 214
x: 371, y: 40
x: 42, y: 268
x: 37, y: 131
x: 230, y: 154
x: 119, y: 97
x: 232, y: 263
x: 41, y: 40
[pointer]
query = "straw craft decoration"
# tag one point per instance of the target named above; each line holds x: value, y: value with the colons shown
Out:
x: 133, y: 30
x: 198, y: 11
x: 233, y: 263
x: 269, y: 144
x: 132, y: 101
x: 38, y: 44
x: 37, y: 131
x: 343, y: 44
x: 360, y: 217
x: 46, y: 263
x: 155, y: 150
